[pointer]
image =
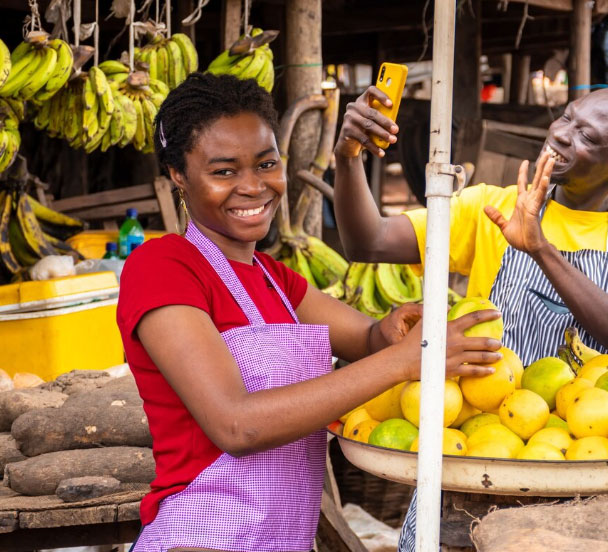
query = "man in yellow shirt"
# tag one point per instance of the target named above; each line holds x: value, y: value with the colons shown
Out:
x: 538, y: 253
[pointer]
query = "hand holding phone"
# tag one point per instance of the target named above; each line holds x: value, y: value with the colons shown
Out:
x: 391, y: 81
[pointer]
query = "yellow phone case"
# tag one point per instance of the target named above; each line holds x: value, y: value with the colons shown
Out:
x: 391, y: 80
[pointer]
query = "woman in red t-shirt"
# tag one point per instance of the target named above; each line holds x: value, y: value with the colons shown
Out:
x: 231, y: 350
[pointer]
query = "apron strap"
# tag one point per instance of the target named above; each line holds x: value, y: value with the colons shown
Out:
x: 278, y: 289
x: 220, y: 264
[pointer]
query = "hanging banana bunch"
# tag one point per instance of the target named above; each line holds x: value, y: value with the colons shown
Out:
x: 38, y: 68
x: 169, y: 60
x: 139, y: 97
x: 249, y: 58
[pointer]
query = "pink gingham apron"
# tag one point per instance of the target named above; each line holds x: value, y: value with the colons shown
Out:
x: 267, y: 501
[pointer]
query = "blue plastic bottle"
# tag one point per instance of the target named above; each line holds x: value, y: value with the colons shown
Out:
x: 111, y: 251
x: 130, y: 235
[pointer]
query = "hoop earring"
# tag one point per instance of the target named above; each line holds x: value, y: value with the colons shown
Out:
x: 185, y: 216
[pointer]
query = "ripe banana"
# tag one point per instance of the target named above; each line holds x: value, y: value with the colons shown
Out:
x: 582, y: 352
x: 43, y: 213
x: 31, y: 228
x: 564, y: 353
x: 6, y: 253
x: 21, y: 71
x: 188, y: 51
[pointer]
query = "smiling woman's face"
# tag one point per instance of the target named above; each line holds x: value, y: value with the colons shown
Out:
x: 578, y: 141
x: 233, y: 182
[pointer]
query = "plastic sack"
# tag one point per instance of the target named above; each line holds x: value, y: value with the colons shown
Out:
x: 52, y: 266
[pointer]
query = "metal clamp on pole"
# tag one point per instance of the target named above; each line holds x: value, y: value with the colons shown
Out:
x: 457, y: 172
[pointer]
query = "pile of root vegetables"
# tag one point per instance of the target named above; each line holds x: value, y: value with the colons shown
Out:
x: 80, y: 436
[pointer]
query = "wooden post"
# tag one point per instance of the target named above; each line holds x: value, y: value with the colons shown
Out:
x: 507, y: 64
x: 467, y: 51
x: 579, y: 70
x: 303, y: 77
x: 520, y: 78
x: 231, y: 22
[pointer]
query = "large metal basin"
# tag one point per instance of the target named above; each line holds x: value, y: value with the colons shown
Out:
x: 484, y: 475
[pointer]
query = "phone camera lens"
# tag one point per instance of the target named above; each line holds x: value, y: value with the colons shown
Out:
x: 382, y: 74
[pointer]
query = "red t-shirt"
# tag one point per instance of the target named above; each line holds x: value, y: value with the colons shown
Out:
x: 171, y: 271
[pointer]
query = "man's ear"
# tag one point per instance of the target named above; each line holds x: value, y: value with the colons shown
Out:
x: 177, y: 177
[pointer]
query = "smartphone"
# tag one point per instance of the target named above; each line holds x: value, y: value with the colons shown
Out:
x: 391, y: 80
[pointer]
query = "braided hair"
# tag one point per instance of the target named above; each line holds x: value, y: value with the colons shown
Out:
x: 197, y: 103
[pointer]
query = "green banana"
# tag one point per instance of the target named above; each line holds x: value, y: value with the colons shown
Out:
x: 5, y: 63
x: 302, y: 267
x: 315, y: 247
x: 102, y: 89
x: 335, y: 289
x: 177, y: 71
x: 565, y: 354
x: 389, y: 285
x: 352, y: 279
x: 413, y: 282
x: 222, y: 62
x: 162, y: 65
x: 252, y: 69
x: 19, y: 245
x: 367, y: 302
x: 113, y: 67
x: 139, y: 138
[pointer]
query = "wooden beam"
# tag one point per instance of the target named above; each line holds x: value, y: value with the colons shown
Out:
x: 231, y: 22
x: 579, y: 70
x: 558, y: 5
x: 520, y: 77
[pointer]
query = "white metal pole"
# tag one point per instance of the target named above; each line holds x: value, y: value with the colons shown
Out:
x: 439, y: 186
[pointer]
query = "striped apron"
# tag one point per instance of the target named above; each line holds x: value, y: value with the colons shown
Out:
x: 535, y: 318
x: 267, y: 501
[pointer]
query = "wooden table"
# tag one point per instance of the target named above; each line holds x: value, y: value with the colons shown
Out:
x: 32, y: 522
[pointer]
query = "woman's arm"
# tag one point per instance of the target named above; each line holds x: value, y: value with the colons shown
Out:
x: 368, y: 236
x: 190, y: 353
x: 586, y: 301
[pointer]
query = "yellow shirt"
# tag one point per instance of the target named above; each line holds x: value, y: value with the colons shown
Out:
x: 477, y: 244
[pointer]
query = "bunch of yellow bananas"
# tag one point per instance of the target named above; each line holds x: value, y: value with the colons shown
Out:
x: 169, y: 60
x: 256, y: 64
x: 30, y: 231
x: 322, y: 266
x: 140, y: 96
x: 38, y: 68
x: 11, y: 113
x: 80, y: 112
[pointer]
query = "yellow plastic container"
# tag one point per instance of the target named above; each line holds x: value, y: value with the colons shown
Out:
x: 92, y: 243
x: 55, y: 326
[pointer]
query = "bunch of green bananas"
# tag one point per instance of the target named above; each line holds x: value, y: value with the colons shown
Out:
x: 30, y: 231
x: 39, y: 68
x: 11, y: 113
x: 322, y: 266
x: 376, y: 288
x: 169, y: 60
x: 253, y: 65
x: 140, y: 96
x: 574, y: 352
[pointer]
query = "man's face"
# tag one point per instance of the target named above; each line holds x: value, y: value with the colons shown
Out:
x: 578, y: 141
